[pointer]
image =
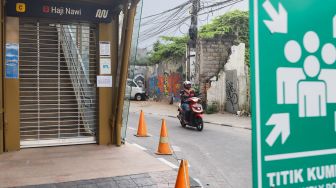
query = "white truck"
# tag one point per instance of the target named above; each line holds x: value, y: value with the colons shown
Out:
x: 134, y: 91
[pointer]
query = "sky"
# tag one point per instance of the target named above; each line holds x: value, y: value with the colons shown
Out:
x: 151, y: 7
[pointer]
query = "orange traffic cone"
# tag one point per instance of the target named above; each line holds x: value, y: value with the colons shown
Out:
x: 142, y: 128
x: 164, y: 148
x: 182, y: 180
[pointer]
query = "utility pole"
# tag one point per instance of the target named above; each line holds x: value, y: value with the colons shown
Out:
x: 191, y: 48
x: 193, y: 24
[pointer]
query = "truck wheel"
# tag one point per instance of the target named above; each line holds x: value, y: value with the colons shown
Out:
x: 138, y: 97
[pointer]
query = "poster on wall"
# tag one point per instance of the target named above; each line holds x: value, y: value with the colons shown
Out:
x: 12, y: 61
x: 104, y: 48
x: 105, y: 66
x: 104, y: 81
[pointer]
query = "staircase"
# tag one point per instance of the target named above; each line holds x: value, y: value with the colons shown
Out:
x: 50, y: 105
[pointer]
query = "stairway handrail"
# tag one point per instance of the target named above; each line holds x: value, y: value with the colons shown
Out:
x: 77, y: 51
x: 68, y: 43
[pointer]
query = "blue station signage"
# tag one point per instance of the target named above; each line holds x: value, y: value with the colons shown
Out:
x: 59, y: 10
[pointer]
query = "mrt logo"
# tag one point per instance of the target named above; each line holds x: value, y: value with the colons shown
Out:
x: 20, y: 7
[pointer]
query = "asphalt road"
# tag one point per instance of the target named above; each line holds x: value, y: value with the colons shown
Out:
x: 219, y: 156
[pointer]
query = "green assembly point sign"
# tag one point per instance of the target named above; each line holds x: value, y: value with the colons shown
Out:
x: 293, y: 63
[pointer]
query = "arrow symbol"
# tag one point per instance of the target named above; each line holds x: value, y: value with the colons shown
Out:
x: 279, y: 19
x: 282, y: 127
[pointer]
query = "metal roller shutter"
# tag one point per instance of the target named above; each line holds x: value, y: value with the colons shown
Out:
x: 58, y: 100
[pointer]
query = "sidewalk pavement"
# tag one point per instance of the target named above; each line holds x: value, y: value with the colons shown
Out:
x: 160, y: 179
x: 84, y: 166
x: 165, y: 109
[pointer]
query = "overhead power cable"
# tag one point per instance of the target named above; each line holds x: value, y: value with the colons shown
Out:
x: 172, y: 19
x: 219, y: 8
x: 168, y: 22
x: 169, y: 10
x: 217, y: 4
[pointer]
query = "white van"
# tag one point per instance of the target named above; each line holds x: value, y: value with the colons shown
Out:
x: 134, y: 91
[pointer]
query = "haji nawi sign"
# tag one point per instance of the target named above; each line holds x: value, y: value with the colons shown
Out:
x: 59, y: 10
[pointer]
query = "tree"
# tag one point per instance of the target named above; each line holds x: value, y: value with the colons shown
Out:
x: 142, y: 61
x: 232, y: 23
x: 170, y: 48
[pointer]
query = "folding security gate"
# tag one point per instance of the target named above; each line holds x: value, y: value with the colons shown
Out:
x: 58, y: 100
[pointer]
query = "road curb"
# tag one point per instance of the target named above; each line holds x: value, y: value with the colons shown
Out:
x: 214, y: 123
x: 227, y: 125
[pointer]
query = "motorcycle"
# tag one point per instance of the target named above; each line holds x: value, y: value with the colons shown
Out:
x: 195, y: 116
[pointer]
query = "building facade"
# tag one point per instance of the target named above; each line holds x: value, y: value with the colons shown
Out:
x: 63, y: 72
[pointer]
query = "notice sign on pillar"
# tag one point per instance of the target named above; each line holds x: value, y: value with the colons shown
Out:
x: 105, y: 65
x: 293, y: 67
x: 104, y: 48
x: 12, y: 61
x: 104, y: 81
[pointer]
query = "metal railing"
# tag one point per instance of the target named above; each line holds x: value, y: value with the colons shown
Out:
x: 79, y: 76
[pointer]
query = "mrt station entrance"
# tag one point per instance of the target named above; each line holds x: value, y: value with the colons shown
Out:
x: 64, y: 71
x: 57, y: 71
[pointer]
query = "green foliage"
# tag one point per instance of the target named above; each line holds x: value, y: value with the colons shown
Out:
x: 169, y: 48
x: 212, y: 108
x: 142, y: 61
x: 247, y: 57
x: 232, y: 23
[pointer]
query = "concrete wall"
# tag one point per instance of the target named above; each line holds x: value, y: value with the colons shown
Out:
x: 230, y: 88
x: 216, y: 94
x: 240, y: 85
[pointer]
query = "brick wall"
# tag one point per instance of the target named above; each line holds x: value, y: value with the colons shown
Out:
x: 212, y: 54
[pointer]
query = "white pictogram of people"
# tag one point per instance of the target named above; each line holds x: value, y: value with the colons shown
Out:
x: 311, y: 87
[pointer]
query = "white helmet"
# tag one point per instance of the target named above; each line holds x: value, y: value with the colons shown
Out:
x: 187, y: 84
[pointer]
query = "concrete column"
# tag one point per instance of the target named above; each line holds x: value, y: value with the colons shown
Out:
x: 105, y: 94
x: 126, y: 44
x: 1, y: 60
x: 114, y: 64
x: 108, y: 96
x: 11, y: 94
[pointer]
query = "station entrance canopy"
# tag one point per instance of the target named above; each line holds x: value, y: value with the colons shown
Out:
x: 76, y: 10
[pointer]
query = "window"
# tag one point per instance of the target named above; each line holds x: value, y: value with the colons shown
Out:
x: 131, y: 83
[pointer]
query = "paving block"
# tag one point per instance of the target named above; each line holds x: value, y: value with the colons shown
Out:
x: 145, y: 175
x: 91, y: 185
x: 126, y: 183
x: 108, y: 184
x: 143, y: 181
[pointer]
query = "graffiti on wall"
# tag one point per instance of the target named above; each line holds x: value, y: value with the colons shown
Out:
x: 231, y: 94
x: 164, y: 85
x: 231, y: 91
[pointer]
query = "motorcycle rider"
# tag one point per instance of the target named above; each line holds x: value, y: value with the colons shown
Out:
x: 185, y: 94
